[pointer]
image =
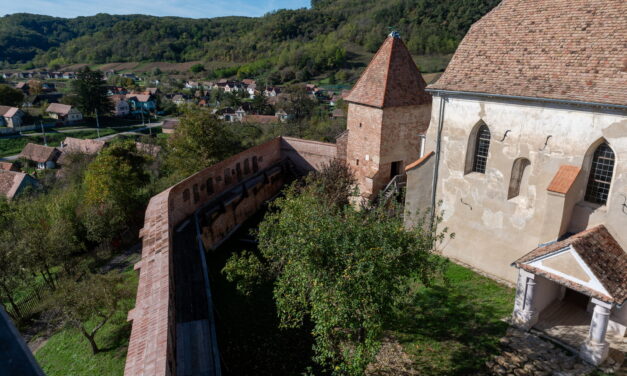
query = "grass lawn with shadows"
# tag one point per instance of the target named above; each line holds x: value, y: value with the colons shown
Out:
x: 453, y: 326
x: 68, y: 352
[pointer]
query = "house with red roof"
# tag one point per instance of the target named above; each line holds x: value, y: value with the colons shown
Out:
x: 10, y: 116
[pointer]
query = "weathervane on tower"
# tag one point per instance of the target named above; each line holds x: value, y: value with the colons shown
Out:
x: 393, y: 32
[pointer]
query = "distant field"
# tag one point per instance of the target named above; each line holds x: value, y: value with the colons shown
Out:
x: 140, y: 67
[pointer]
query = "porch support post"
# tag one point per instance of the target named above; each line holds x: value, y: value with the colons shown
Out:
x: 595, y: 349
x: 525, y: 316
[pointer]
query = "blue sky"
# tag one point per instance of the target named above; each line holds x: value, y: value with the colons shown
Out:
x: 180, y: 8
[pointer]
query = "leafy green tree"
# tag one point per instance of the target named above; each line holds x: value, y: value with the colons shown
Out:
x: 10, y: 96
x: 116, y: 176
x: 342, y: 269
x: 297, y: 102
x: 89, y: 88
x: 197, y: 68
x: 260, y: 105
x: 11, y: 274
x: 91, y: 302
x: 199, y: 141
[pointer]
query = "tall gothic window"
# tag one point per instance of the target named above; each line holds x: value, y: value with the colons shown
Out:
x: 482, y: 146
x: 600, y: 174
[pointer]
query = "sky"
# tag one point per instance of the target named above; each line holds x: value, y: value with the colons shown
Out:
x: 179, y: 8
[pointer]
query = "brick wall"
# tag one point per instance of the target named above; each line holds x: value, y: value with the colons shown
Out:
x: 307, y: 155
x: 151, y: 348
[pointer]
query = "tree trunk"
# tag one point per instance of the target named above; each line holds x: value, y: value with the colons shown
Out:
x: 92, y: 341
x: 11, y: 301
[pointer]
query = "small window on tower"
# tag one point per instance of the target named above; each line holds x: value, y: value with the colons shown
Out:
x: 357, y: 162
x: 359, y: 125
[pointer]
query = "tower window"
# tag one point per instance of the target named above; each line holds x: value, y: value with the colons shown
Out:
x: 600, y: 177
x: 357, y: 162
x: 482, y: 148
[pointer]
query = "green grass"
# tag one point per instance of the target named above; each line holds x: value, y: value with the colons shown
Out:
x: 453, y: 326
x: 68, y: 353
x: 12, y: 146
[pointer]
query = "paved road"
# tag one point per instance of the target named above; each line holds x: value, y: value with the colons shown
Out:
x: 103, y: 138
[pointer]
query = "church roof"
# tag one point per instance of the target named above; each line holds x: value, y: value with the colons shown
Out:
x: 391, y: 79
x: 603, y: 257
x: 555, y: 49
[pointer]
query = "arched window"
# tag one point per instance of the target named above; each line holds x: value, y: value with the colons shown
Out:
x: 482, y: 146
x: 520, y: 174
x: 600, y: 177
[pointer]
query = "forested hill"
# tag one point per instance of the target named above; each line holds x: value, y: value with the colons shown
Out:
x: 316, y: 38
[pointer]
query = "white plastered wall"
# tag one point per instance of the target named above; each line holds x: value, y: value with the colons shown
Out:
x: 492, y: 231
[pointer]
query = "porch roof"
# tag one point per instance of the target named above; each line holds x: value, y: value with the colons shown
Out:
x: 601, y: 255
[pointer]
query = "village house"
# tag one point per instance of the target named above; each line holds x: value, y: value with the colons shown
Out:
x: 260, y: 119
x: 8, y: 166
x: 179, y: 99
x: 64, y: 113
x: 272, y: 92
x: 281, y: 115
x: 251, y: 89
x: 169, y: 125
x: 120, y: 105
x: 141, y: 102
x: 71, y: 145
x: 192, y: 85
x: 240, y: 113
x: 526, y: 152
x: 10, y: 117
x: 13, y: 183
x: 23, y: 86
x: 45, y: 157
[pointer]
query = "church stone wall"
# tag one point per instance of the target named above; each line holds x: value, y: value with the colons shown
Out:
x: 491, y: 230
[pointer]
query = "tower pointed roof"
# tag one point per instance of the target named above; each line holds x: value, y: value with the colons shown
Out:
x: 392, y: 79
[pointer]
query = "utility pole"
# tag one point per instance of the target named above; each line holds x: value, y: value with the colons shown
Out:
x: 97, y: 124
x: 41, y: 123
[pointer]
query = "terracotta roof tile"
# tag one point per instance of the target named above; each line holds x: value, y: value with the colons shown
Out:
x: 59, y: 108
x: 564, y: 179
x: 10, y: 182
x: 391, y: 79
x: 39, y: 153
x: 600, y: 251
x: 557, y: 49
x: 419, y: 161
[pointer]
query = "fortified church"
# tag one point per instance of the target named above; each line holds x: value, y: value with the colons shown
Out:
x: 520, y: 145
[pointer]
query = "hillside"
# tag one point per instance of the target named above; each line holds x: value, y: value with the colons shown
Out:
x: 304, y: 41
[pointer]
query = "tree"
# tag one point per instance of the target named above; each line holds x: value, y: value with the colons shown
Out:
x: 340, y: 268
x: 10, y: 96
x: 11, y: 274
x: 297, y: 102
x: 116, y: 176
x: 89, y: 88
x: 35, y: 87
x: 200, y: 140
x: 260, y: 105
x: 90, y: 303
x: 197, y: 68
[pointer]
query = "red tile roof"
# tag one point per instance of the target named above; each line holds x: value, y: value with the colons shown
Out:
x: 564, y: 179
x: 10, y: 182
x: 600, y: 251
x: 59, y: 108
x: 39, y: 153
x: 419, y: 161
x: 556, y: 49
x: 391, y: 79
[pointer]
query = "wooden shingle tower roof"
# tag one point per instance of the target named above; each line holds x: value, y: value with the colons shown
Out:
x: 392, y: 79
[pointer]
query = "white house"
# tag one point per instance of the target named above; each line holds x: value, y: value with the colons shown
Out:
x: 10, y: 116
x: 64, y: 113
x: 526, y: 151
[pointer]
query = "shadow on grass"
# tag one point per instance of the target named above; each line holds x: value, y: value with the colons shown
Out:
x: 249, y: 337
x: 448, y: 331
